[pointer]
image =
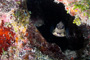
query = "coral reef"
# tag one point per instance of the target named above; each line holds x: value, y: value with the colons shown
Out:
x: 22, y: 40
x: 52, y: 14
x: 78, y: 8
x: 6, y: 37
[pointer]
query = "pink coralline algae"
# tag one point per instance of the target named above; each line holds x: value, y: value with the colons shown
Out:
x: 16, y: 0
x: 5, y: 18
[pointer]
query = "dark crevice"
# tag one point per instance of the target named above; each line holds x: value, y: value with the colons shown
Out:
x: 52, y: 13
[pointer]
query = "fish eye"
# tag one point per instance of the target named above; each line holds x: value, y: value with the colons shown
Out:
x: 62, y: 27
x: 59, y: 27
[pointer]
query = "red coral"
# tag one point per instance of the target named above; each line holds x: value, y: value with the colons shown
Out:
x: 60, y: 0
x: 6, y: 37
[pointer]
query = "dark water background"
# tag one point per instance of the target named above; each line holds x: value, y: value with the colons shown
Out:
x: 52, y: 13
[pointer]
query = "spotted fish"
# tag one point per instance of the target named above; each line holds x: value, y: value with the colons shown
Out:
x: 59, y: 31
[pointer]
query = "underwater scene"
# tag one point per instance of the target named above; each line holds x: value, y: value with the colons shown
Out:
x: 44, y: 29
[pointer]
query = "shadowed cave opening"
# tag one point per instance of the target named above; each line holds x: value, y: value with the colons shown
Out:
x: 52, y: 13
